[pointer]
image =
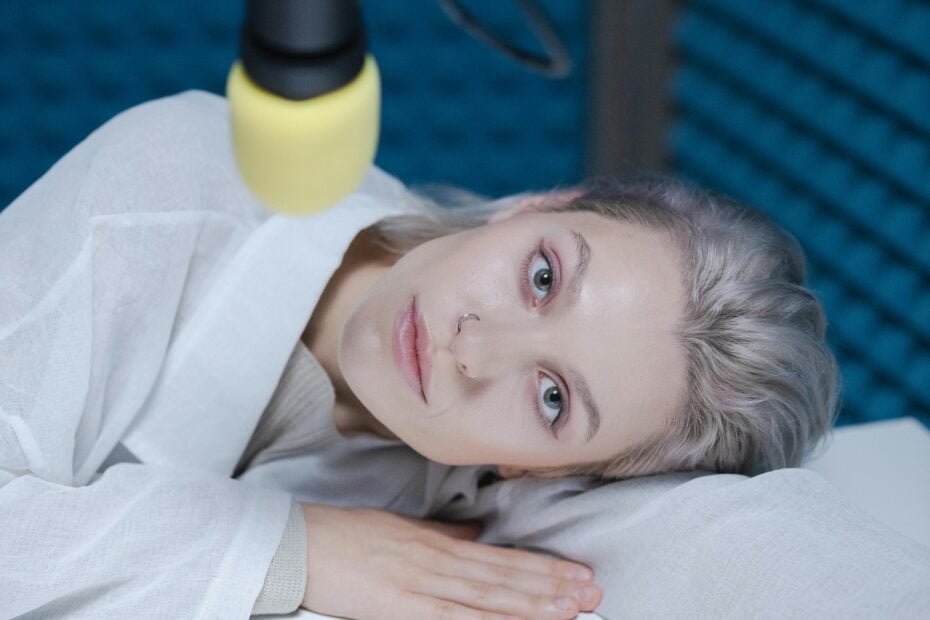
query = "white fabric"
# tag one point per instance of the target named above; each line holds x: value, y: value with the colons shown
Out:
x: 145, y: 297
x: 883, y: 467
x: 781, y: 545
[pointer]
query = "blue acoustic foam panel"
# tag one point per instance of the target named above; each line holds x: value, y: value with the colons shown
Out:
x: 453, y: 110
x: 818, y: 113
x: 459, y: 112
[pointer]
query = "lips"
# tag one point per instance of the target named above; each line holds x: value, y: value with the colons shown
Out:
x: 405, y: 347
x: 424, y: 360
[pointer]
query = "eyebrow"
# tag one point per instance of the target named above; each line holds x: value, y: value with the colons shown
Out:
x: 583, y: 251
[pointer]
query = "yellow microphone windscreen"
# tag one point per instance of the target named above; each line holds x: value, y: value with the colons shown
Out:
x: 301, y: 157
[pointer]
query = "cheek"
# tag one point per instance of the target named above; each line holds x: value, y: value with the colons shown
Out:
x: 473, y: 264
x: 488, y: 276
x: 497, y: 421
x: 360, y: 346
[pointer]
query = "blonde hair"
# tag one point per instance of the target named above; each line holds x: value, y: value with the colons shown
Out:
x: 762, y: 385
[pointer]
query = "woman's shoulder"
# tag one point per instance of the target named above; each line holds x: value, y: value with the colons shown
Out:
x: 171, y: 154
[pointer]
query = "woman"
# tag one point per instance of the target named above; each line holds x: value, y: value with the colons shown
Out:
x: 158, y: 320
x: 697, y: 307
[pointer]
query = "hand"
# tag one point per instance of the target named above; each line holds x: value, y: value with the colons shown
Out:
x: 364, y: 563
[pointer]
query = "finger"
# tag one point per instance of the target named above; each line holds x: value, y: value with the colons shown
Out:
x: 422, y: 606
x: 498, y: 598
x: 530, y: 582
x: 523, y: 560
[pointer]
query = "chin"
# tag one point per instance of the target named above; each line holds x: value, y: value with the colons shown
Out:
x: 416, y: 442
x: 441, y: 457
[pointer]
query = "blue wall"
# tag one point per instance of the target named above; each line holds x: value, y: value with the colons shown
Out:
x: 818, y: 112
x: 454, y: 110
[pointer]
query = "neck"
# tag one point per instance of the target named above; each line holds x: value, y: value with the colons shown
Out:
x: 354, y: 419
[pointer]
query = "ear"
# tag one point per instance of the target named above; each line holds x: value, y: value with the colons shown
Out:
x: 508, y: 472
x: 532, y: 202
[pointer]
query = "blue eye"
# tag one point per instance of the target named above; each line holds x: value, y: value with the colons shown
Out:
x: 535, y: 276
x: 538, y: 274
x: 550, y: 403
x: 541, y: 277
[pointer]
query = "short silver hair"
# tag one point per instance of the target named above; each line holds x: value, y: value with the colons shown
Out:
x: 762, y: 386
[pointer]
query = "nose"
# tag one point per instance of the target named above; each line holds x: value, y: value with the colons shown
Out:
x: 487, y: 348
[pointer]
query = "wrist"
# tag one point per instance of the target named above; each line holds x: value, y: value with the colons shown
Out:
x: 314, y: 512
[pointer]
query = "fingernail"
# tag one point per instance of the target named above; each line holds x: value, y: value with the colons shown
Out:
x: 564, y: 603
x: 589, y: 593
x: 581, y: 574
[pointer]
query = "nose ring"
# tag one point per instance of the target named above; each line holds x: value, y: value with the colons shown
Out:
x: 465, y: 317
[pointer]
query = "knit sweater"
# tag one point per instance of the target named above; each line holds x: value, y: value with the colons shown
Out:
x: 298, y: 417
x: 298, y: 421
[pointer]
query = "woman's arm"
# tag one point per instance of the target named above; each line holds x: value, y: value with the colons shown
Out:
x: 94, y: 260
x: 365, y: 563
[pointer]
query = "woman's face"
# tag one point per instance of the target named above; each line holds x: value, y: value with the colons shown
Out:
x: 518, y: 388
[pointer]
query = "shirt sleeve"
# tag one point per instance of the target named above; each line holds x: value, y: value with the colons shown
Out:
x: 95, y: 264
x: 286, y: 580
x: 139, y: 542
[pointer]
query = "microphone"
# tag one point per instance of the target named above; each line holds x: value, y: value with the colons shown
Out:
x: 305, y: 101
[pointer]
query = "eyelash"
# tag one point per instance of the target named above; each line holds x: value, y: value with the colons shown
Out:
x: 559, y: 421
